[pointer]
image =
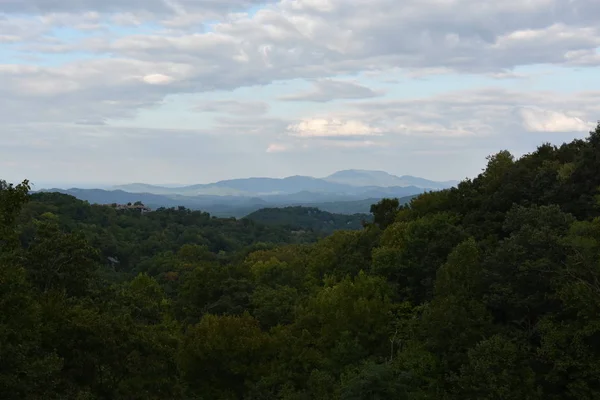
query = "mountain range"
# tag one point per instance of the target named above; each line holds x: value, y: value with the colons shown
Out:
x: 351, y: 182
x: 347, y: 192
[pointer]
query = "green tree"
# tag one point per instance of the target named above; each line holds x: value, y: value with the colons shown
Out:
x: 413, y: 251
x: 373, y: 381
x: 57, y: 260
x: 498, y: 369
x: 222, y: 357
x: 27, y: 371
x: 12, y: 200
x: 384, y: 212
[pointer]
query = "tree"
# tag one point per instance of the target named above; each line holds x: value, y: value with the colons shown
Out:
x: 274, y: 305
x: 12, y: 200
x: 221, y: 357
x: 26, y: 370
x: 59, y: 261
x: 498, y: 369
x: 373, y: 381
x: 413, y: 251
x: 384, y: 212
x: 456, y: 317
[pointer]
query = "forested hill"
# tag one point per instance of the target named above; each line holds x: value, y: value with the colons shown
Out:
x: 309, y: 218
x: 489, y: 290
x: 133, y: 238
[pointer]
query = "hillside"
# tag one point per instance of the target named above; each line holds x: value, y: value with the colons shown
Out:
x: 488, y: 290
x: 352, y: 207
x: 309, y: 218
x: 131, y: 237
x: 239, y: 206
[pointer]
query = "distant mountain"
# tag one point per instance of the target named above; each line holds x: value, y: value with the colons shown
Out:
x: 345, y: 183
x: 358, y: 177
x: 345, y: 192
x: 146, y: 188
x: 245, y: 187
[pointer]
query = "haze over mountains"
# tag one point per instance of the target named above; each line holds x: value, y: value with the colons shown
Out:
x: 350, y: 182
x: 346, y: 192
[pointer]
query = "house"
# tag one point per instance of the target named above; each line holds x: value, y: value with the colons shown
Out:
x: 138, y: 206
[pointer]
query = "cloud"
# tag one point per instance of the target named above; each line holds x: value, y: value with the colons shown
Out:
x: 456, y: 116
x: 79, y: 71
x: 157, y: 79
x: 410, y: 136
x: 250, y: 124
x: 90, y: 122
x: 19, y: 29
x: 233, y: 107
x: 97, y: 89
x: 276, y: 148
x: 540, y: 120
x: 351, y: 144
x: 155, y: 7
x: 558, y: 43
x: 323, y: 128
x: 328, y: 89
x: 436, y: 130
x: 285, y: 40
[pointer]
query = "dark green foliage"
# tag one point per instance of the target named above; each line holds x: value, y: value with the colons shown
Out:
x: 27, y: 371
x: 309, y: 218
x: 12, y: 199
x: 373, y: 381
x: 136, y: 241
x: 490, y: 290
x: 221, y: 356
x: 354, y: 206
x: 384, y: 212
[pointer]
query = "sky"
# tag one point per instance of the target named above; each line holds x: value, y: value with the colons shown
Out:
x: 96, y: 92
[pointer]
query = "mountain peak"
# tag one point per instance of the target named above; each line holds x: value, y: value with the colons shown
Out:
x: 354, y: 172
x: 361, y: 177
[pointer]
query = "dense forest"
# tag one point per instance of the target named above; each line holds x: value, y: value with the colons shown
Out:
x: 309, y: 218
x: 490, y: 290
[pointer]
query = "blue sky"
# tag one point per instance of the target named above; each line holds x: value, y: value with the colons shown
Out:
x: 188, y: 91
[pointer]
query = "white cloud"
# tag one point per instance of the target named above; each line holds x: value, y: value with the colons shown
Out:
x: 345, y: 144
x: 458, y: 116
x: 540, y: 120
x: 233, y: 107
x: 435, y: 130
x: 322, y: 127
x: 276, y: 148
x: 557, y: 43
x: 157, y: 79
x: 289, y: 39
x: 329, y: 89
x: 156, y: 7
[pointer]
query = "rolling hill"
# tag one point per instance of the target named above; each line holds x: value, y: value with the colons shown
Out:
x: 309, y: 218
x: 345, y: 192
x: 227, y: 206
